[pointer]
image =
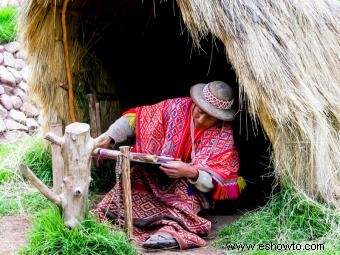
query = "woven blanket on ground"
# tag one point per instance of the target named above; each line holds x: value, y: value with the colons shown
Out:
x: 159, y: 205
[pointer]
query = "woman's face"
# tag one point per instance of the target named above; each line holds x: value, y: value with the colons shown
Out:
x: 201, y: 119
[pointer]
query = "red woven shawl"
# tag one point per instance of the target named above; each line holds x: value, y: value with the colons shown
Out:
x: 164, y: 129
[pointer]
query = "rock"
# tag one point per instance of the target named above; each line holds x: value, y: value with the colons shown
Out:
x: 3, y: 112
x: 21, y: 54
x: 29, y: 110
x: 17, y: 116
x: 2, y: 90
x: 1, y: 58
x: 6, y: 76
x: 41, y: 120
x: 3, y: 3
x: 23, y: 85
x: 12, y: 47
x: 2, y: 126
x: 32, y: 124
x: 25, y: 73
x: 16, y: 101
x: 19, y: 64
x: 9, y: 59
x: 13, y: 125
x: 17, y: 75
x: 14, y: 135
x: 13, y: 3
x: 6, y: 101
x: 8, y: 89
x: 18, y: 92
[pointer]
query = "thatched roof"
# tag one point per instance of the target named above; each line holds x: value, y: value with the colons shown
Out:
x: 286, y: 56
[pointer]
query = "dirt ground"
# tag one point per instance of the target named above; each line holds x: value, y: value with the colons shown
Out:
x: 14, y: 230
x: 13, y: 233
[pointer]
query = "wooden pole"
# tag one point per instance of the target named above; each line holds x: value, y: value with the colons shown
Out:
x: 57, y: 160
x: 127, y: 200
x: 93, y: 115
x: 98, y: 119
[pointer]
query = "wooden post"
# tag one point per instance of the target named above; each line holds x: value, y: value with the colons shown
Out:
x: 98, y: 118
x: 76, y: 147
x: 57, y: 160
x: 93, y: 115
x: 127, y: 200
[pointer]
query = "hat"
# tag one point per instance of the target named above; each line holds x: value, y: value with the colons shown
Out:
x: 215, y: 98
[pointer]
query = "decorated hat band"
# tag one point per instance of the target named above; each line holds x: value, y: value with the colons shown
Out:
x: 218, y: 103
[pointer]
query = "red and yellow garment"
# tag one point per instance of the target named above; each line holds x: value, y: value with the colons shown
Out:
x: 164, y: 129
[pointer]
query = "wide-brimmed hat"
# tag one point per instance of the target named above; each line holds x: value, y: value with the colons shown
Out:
x: 215, y: 98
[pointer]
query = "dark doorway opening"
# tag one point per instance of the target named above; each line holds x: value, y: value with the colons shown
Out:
x: 149, y: 56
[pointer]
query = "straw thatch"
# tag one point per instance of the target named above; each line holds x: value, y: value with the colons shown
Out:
x: 286, y: 56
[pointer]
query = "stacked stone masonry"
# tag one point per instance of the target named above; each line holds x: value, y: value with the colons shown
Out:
x: 18, y: 116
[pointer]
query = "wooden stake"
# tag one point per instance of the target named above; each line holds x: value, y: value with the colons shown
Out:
x: 93, y: 115
x: 98, y: 119
x: 127, y: 200
x: 57, y: 160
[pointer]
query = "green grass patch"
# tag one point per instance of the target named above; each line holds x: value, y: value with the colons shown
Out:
x: 17, y: 195
x: 5, y: 175
x: 38, y: 158
x: 30, y: 203
x: 8, y: 21
x: 49, y: 236
x: 287, y: 218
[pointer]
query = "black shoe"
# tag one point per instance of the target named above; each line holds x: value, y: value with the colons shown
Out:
x: 160, y: 241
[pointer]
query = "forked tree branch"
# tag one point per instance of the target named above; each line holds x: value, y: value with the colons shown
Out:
x: 49, y: 194
x: 54, y: 139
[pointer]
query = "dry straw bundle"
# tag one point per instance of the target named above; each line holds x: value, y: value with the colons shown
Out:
x: 286, y: 56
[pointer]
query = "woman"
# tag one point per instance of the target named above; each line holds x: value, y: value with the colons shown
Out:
x: 165, y: 203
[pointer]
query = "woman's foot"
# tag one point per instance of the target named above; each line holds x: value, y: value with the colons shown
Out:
x: 160, y: 241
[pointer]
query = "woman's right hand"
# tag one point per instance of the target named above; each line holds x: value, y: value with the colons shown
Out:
x: 106, y: 143
x: 98, y: 162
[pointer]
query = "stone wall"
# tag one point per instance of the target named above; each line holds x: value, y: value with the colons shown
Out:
x: 18, y: 116
x: 10, y: 3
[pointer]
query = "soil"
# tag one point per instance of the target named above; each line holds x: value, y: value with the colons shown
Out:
x: 14, y: 230
x: 13, y: 233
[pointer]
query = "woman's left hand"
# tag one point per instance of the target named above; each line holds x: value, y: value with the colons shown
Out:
x: 179, y: 169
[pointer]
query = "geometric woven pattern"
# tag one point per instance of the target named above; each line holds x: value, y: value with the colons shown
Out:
x: 164, y: 129
x: 169, y: 209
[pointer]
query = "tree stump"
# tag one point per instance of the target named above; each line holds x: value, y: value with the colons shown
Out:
x: 76, y: 148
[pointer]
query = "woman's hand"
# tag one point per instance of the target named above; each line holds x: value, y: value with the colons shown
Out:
x: 179, y: 169
x: 106, y: 143
x: 98, y: 162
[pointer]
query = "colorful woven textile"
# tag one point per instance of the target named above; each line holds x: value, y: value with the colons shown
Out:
x: 158, y: 205
x: 164, y: 129
x: 161, y: 204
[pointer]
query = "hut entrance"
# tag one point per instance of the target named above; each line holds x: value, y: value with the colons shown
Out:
x: 148, y: 56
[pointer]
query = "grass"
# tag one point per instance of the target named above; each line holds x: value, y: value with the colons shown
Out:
x: 49, y: 236
x: 287, y: 218
x: 16, y: 195
x: 7, y: 24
